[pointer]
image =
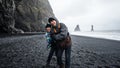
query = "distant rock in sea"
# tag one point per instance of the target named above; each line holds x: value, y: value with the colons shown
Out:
x: 77, y: 28
x: 18, y: 16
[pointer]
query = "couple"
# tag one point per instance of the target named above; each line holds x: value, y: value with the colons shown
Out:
x: 59, y: 40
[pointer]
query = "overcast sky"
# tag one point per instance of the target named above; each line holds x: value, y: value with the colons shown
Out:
x: 103, y: 14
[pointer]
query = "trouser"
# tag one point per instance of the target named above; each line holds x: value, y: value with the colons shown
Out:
x: 52, y: 51
x: 67, y: 56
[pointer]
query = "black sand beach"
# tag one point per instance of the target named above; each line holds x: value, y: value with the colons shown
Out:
x: 30, y: 52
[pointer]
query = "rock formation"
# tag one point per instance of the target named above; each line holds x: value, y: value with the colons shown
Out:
x: 77, y: 28
x: 7, y: 17
x: 24, y: 15
x: 92, y: 28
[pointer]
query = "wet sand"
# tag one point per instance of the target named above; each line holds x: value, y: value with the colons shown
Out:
x: 30, y: 52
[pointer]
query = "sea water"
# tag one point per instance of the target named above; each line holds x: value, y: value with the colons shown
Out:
x: 106, y: 34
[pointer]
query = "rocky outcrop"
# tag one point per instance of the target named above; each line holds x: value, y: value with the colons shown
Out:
x: 24, y: 15
x: 77, y: 28
x: 7, y: 17
x: 33, y: 14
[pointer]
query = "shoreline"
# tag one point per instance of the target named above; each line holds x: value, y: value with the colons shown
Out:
x: 96, y: 38
x: 103, y: 35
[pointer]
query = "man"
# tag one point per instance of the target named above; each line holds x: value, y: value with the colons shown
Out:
x: 50, y: 45
x: 60, y: 34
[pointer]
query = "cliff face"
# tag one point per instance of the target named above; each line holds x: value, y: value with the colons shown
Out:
x: 24, y: 15
x: 32, y: 14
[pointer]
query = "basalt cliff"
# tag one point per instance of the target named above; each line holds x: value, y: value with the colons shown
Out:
x: 17, y: 16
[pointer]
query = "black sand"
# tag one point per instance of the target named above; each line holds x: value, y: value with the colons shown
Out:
x: 30, y: 52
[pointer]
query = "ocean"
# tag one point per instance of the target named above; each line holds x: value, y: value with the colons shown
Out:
x: 106, y: 34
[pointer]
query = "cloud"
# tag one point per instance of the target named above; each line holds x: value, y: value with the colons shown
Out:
x: 101, y: 13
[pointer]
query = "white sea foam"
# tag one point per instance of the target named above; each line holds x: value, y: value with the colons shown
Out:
x: 104, y: 35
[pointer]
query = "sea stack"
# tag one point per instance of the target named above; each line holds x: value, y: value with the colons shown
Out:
x: 77, y: 28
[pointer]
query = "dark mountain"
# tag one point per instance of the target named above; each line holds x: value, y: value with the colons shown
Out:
x: 18, y: 16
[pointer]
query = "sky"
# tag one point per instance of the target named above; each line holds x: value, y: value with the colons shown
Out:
x: 102, y: 14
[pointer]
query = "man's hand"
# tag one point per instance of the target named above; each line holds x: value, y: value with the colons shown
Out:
x: 48, y: 46
x: 53, y: 37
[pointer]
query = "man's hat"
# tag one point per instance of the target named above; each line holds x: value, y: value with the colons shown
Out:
x: 48, y: 25
x: 50, y: 19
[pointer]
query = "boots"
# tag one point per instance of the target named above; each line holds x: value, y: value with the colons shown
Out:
x: 47, y: 64
x: 62, y: 66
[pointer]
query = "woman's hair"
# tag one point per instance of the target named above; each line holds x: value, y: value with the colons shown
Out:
x: 50, y: 19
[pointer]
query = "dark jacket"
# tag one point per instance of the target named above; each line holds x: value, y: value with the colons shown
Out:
x: 61, y: 36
